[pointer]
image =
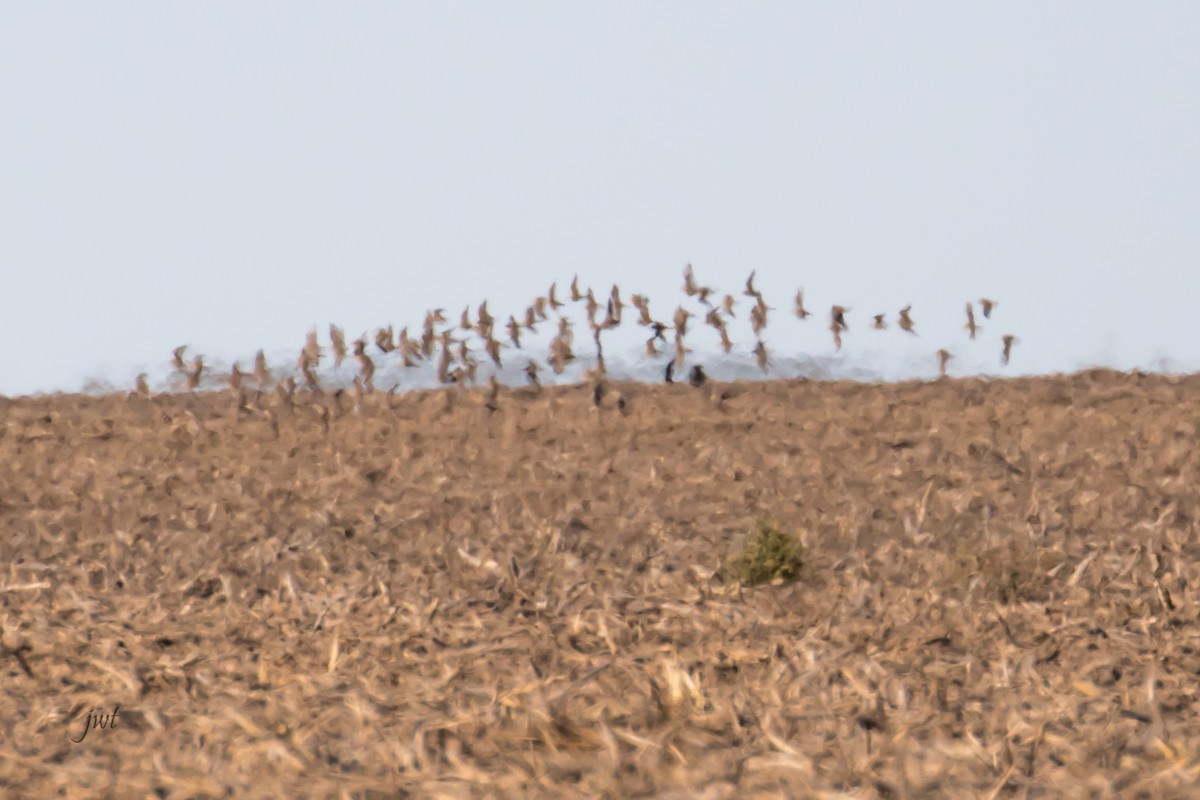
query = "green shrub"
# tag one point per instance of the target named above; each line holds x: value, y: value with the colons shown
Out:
x: 769, y: 554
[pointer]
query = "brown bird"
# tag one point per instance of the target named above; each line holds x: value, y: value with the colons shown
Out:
x: 514, y: 331
x: 531, y: 373
x: 879, y: 324
x: 1009, y: 340
x: 177, y: 360
x: 838, y: 314
x: 682, y: 316
x: 801, y: 311
x: 943, y: 356
x: 260, y: 369
x: 971, y: 326
x: 760, y: 353
x: 643, y: 306
x: 758, y: 317
x: 906, y: 323
x: 235, y: 377
x: 493, y: 350
x: 464, y: 322
x: 726, y: 342
x: 692, y: 288
x: 552, y: 295
x: 493, y: 394
x: 383, y: 339
x: 193, y: 377
x: 575, y: 294
x: 987, y: 305
x: 337, y: 338
x: 728, y: 304
x: 750, y: 290
x: 837, y: 334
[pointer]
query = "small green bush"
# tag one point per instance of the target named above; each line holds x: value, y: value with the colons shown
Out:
x: 770, y: 554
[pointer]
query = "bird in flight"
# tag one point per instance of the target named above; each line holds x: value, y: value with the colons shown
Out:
x: 879, y: 324
x: 971, y: 326
x: 906, y: 323
x: 760, y: 353
x: 801, y: 311
x: 1009, y: 340
x: 943, y: 357
x: 987, y: 305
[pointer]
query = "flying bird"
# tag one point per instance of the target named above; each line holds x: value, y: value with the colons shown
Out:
x: 760, y: 353
x: 801, y: 311
x: 943, y: 357
x: 1009, y: 340
x: 906, y: 323
x: 879, y: 324
x: 987, y: 305
x: 971, y: 326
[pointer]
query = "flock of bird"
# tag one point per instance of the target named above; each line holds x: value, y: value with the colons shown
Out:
x: 447, y: 345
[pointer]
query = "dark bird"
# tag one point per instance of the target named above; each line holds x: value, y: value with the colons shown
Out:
x: 987, y: 305
x: 697, y: 378
x: 1009, y: 340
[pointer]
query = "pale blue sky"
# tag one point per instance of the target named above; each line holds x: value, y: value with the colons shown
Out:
x: 229, y: 174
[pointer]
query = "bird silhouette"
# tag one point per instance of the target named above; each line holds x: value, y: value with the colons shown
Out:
x: 801, y: 311
x: 697, y: 376
x: 760, y: 353
x: 1009, y: 340
x: 906, y: 323
x: 943, y: 357
x: 987, y: 306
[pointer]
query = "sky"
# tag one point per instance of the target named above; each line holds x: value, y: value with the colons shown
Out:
x: 228, y: 175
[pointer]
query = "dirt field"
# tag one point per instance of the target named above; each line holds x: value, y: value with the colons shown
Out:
x: 427, y: 598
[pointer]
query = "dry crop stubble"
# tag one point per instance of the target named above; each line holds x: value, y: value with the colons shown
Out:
x: 420, y: 595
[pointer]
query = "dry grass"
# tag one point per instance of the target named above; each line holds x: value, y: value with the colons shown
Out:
x: 421, y: 596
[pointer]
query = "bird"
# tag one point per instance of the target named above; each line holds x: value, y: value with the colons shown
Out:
x: 553, y: 296
x: 801, y: 311
x: 697, y: 376
x: 465, y: 322
x: 727, y: 304
x: 514, y: 331
x: 669, y: 373
x: 660, y: 330
x: 260, y: 369
x: 838, y: 315
x: 760, y: 352
x: 337, y: 338
x: 193, y: 377
x: 531, y: 373
x: 971, y: 326
x: 906, y: 323
x: 987, y: 305
x: 682, y: 316
x: 643, y: 306
x: 943, y: 356
x: 879, y: 324
x: 493, y: 393
x: 576, y: 296
x: 177, y: 360
x: 750, y: 290
x: 1009, y: 340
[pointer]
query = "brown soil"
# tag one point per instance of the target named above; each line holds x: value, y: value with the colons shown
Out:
x: 423, y: 597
